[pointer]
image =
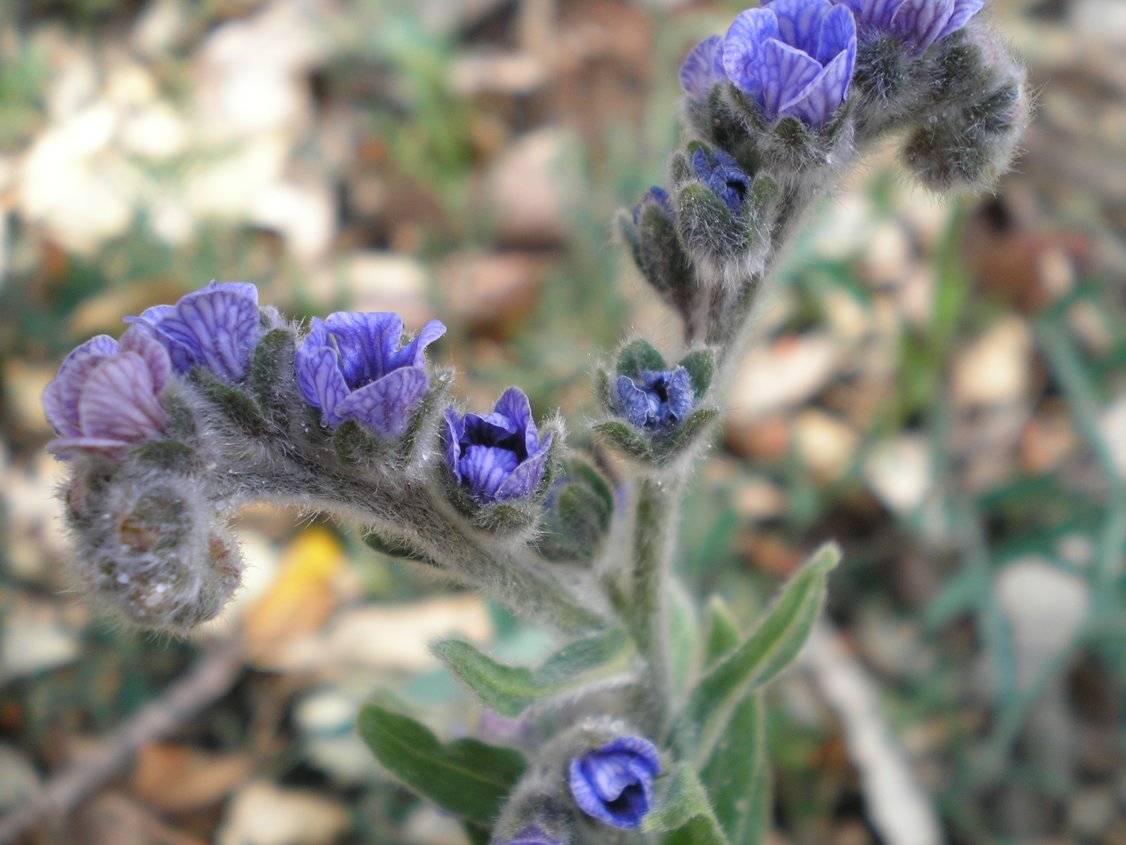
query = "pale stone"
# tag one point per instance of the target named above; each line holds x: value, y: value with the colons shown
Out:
x: 899, y: 473
x: 36, y: 636
x: 262, y: 813
x: 827, y: 445
x: 1112, y: 424
x: 303, y: 212
x: 510, y: 74
x: 532, y: 187
x: 781, y: 375
x: 384, y: 281
x: 888, y: 254
x: 155, y: 132
x: 995, y: 368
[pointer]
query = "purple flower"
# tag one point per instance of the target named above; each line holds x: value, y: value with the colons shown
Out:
x: 793, y: 57
x: 614, y: 784
x: 920, y: 23
x: 656, y: 400
x: 703, y: 68
x: 498, y: 456
x: 107, y: 394
x: 722, y: 176
x: 352, y: 367
x: 533, y: 835
x: 216, y: 328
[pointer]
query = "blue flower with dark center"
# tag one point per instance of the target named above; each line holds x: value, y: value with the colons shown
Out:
x: 351, y: 366
x: 793, y: 57
x: 216, y: 328
x: 703, y: 68
x: 107, y: 394
x: 656, y: 400
x: 722, y: 176
x: 919, y: 23
x: 499, y: 455
x: 614, y: 784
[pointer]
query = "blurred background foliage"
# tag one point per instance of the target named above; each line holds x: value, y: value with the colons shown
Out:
x: 938, y: 384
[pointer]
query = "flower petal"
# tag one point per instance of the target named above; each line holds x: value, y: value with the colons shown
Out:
x: 216, y: 327
x: 638, y: 406
x: 137, y: 339
x: 321, y: 383
x: 514, y: 405
x: 454, y: 429
x: 743, y: 49
x: 524, y: 480
x: 414, y: 353
x: 838, y: 33
x: 963, y: 11
x: 118, y: 401
x: 786, y: 72
x: 60, y: 399
x: 485, y: 468
x: 799, y: 22
x: 921, y: 22
x: 385, y: 405
x: 874, y: 14
x: 367, y: 342
x: 703, y: 67
x: 823, y: 96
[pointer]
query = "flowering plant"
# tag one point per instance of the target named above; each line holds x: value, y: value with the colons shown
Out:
x: 631, y: 736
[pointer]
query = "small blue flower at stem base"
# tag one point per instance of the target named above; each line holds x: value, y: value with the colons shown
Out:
x: 795, y: 58
x: 499, y: 455
x: 532, y: 835
x: 919, y: 23
x: 352, y: 367
x: 657, y: 400
x: 703, y: 68
x: 216, y: 328
x: 107, y: 394
x: 722, y: 176
x: 614, y: 784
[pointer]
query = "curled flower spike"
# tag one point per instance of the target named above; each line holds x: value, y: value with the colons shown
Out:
x: 614, y: 784
x: 656, y: 400
x: 919, y: 23
x: 703, y: 68
x: 500, y: 455
x: 723, y: 177
x: 352, y: 367
x: 793, y: 57
x: 216, y: 328
x: 107, y: 394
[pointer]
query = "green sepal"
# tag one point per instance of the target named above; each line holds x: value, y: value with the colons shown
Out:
x: 700, y: 365
x: 357, y: 445
x: 602, y: 388
x: 707, y: 226
x: 271, y: 366
x: 881, y: 71
x: 169, y: 455
x: 432, y: 401
x: 465, y: 777
x: 680, y: 168
x: 579, y: 515
x: 788, y: 144
x: 662, y: 260
x: 687, y: 433
x: 510, y: 690
x: 769, y: 649
x: 396, y: 550
x: 638, y: 356
x: 682, y: 811
x: 238, y: 407
x: 626, y: 440
x: 958, y: 73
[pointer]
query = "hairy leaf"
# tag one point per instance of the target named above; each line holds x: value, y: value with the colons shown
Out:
x: 683, y: 813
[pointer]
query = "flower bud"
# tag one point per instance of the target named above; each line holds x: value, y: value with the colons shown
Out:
x: 614, y: 783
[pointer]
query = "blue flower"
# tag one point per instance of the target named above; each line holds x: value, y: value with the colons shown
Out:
x: 793, y: 57
x: 352, y: 367
x: 656, y: 400
x: 216, y: 328
x: 532, y: 835
x: 500, y: 455
x: 654, y: 196
x: 614, y: 784
x: 722, y: 176
x: 703, y: 68
x: 919, y: 23
x: 107, y: 394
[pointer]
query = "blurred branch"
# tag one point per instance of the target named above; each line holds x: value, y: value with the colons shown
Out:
x: 214, y: 674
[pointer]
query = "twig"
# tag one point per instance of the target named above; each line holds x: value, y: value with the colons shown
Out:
x: 898, y: 806
x: 207, y: 681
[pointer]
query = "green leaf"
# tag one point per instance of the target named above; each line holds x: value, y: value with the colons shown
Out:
x: 684, y: 635
x: 682, y: 812
x: 701, y: 369
x: 510, y: 690
x: 723, y: 632
x: 686, y: 434
x: 235, y: 405
x: 625, y: 439
x: 773, y: 644
x: 464, y: 777
x: 638, y: 356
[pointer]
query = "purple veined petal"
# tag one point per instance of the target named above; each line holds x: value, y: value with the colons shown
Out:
x: 414, y: 353
x: 320, y: 381
x: 514, y: 405
x: 60, y: 399
x: 636, y: 405
x: 645, y: 750
x: 920, y: 22
x: 681, y: 395
x: 822, y: 97
x: 366, y: 342
x: 703, y: 67
x: 874, y: 14
x: 137, y: 339
x: 786, y: 72
x: 963, y: 11
x: 491, y: 430
x: 455, y: 428
x: 799, y: 22
x: 526, y: 477
x: 485, y: 469
x: 64, y: 446
x: 118, y: 402
x: 216, y: 327
x: 385, y: 405
x: 743, y: 48
x: 838, y: 32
